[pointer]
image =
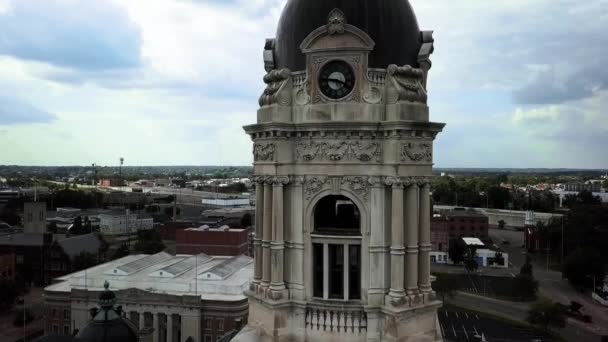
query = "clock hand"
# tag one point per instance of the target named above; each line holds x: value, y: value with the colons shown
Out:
x: 334, y: 80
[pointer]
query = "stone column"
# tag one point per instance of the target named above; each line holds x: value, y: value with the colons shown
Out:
x: 142, y: 321
x: 424, y: 262
x: 259, y: 228
x: 266, y: 235
x: 169, y: 327
x: 379, y: 256
x: 155, y: 326
x: 296, y: 288
x: 397, y: 291
x: 277, y: 283
x: 411, y: 241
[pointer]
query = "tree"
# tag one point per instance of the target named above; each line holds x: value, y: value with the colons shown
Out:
x: 149, y: 242
x: 526, y: 269
x: 446, y: 284
x: 502, y: 224
x: 52, y: 228
x: 499, y: 259
x: 83, y: 261
x: 169, y: 211
x: 121, y: 251
x: 470, y: 263
x: 19, y: 316
x: 246, y: 220
x: 525, y: 286
x: 8, y: 294
x: 546, y: 314
x: 456, y: 251
x: 582, y: 266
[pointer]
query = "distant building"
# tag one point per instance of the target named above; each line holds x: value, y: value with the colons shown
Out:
x: 226, y: 202
x: 213, y: 241
x: 233, y: 217
x: 7, y: 195
x: 587, y: 186
x: 487, y: 256
x: 457, y: 223
x: 41, y: 257
x: 124, y: 223
x: 111, y: 182
x: 179, y: 298
x: 34, y: 217
x: 440, y: 236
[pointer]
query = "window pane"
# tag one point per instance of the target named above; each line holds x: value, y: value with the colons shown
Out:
x: 336, y: 271
x: 354, y: 272
x: 317, y: 273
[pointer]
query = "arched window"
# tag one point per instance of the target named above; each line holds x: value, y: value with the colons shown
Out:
x: 336, y: 249
x: 337, y: 215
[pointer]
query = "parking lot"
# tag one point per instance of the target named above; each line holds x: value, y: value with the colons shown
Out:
x: 461, y: 325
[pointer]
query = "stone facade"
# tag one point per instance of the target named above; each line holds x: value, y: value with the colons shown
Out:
x: 371, y: 153
x: 172, y: 318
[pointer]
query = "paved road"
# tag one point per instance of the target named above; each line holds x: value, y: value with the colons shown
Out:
x: 574, y: 331
x: 551, y: 284
x: 463, y: 326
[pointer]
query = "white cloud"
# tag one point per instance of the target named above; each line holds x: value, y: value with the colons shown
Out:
x: 200, y: 74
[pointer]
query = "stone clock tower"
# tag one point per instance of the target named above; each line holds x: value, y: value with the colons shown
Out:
x: 343, y: 151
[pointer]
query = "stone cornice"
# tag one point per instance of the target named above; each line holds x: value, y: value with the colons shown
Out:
x: 279, y: 129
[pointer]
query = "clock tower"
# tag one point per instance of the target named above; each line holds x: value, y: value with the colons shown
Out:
x: 343, y: 155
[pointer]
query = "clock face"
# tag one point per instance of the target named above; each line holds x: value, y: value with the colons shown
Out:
x: 336, y: 79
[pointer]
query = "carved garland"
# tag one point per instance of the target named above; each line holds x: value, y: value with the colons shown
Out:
x: 339, y: 151
x: 417, y: 152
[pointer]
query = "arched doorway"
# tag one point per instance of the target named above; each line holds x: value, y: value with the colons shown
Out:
x: 336, y: 249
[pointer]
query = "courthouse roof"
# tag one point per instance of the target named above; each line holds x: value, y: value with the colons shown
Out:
x: 163, y: 273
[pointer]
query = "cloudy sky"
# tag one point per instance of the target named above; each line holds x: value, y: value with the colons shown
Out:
x: 520, y: 83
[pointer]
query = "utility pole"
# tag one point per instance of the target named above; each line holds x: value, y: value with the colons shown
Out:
x: 562, y: 258
x: 548, y: 257
x: 122, y: 160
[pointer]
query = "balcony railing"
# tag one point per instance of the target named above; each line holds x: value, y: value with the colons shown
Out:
x: 337, y: 319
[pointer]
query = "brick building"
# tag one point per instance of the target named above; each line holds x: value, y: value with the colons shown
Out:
x: 39, y: 258
x: 212, y: 241
x: 457, y: 223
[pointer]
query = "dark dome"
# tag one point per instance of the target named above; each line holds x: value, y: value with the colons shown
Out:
x: 391, y: 24
x: 109, y: 331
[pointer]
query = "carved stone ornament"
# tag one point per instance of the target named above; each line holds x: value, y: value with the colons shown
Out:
x: 339, y: 151
x: 279, y: 180
x: 278, y: 88
x: 405, y: 84
x: 417, y: 152
x: 335, y: 22
x: 313, y: 184
x: 358, y: 185
x: 263, y: 152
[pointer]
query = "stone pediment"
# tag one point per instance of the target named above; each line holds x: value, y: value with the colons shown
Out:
x: 337, y: 35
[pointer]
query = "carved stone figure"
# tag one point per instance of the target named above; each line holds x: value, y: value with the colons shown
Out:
x: 278, y: 88
x: 405, y: 83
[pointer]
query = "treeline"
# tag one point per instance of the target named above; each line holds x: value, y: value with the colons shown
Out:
x: 488, y: 192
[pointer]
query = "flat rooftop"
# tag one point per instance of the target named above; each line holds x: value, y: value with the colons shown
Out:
x: 163, y: 273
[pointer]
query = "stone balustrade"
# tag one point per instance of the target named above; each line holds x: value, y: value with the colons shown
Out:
x: 346, y: 319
